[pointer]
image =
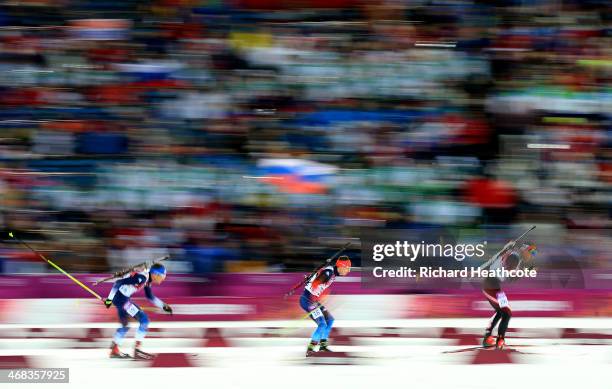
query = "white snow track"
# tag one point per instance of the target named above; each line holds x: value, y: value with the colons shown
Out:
x: 557, y: 353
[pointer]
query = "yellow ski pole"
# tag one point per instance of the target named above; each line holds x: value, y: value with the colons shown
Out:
x: 55, y: 266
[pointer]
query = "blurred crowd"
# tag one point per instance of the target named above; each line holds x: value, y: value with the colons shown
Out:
x: 257, y: 135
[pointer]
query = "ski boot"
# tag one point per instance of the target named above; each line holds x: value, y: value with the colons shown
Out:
x: 139, y: 354
x: 488, y: 341
x: 116, y: 353
x: 312, y: 349
x: 323, y: 346
x: 501, y: 343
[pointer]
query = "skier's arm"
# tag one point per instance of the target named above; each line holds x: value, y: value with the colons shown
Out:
x: 156, y: 301
x: 152, y: 298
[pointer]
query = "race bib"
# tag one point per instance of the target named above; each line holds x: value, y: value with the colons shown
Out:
x: 130, y: 308
x: 502, y: 300
x: 316, y: 313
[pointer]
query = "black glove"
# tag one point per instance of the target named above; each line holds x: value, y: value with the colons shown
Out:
x: 168, y: 308
x: 108, y: 303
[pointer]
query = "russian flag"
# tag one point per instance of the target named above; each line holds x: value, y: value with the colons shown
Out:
x: 100, y: 29
x: 294, y: 175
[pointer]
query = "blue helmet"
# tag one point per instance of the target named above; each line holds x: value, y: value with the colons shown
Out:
x: 158, y: 269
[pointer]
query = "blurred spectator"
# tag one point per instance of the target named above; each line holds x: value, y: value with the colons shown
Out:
x: 253, y: 134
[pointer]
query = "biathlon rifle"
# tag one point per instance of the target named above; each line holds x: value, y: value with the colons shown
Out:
x: 326, y: 263
x: 143, y: 265
x: 507, y: 247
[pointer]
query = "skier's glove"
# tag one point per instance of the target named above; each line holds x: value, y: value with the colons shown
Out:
x: 108, y: 303
x: 168, y: 308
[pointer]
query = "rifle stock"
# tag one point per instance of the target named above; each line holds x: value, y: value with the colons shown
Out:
x: 123, y: 272
x: 307, y: 276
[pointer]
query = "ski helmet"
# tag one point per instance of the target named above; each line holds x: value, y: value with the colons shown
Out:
x: 158, y: 269
x: 343, y: 262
